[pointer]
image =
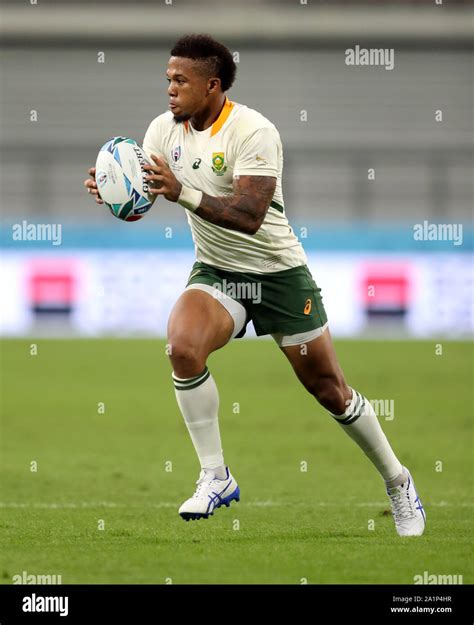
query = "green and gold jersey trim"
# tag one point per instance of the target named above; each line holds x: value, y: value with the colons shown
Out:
x: 279, y: 207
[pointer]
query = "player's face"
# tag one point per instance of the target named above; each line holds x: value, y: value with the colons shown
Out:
x: 187, y: 87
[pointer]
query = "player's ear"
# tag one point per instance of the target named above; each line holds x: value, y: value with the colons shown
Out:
x: 213, y: 85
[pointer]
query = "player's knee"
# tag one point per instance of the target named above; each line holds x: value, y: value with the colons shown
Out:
x: 331, y: 393
x: 186, y: 356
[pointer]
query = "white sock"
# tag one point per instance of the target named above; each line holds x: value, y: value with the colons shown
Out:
x: 360, y: 422
x: 198, y: 401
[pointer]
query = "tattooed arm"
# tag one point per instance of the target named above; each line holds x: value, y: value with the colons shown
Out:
x: 243, y: 211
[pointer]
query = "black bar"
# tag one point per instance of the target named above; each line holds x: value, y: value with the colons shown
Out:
x: 272, y: 604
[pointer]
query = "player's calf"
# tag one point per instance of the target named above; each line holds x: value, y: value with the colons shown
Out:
x: 331, y: 392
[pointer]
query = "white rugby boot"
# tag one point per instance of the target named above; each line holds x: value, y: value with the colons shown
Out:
x: 211, y: 493
x: 407, y: 509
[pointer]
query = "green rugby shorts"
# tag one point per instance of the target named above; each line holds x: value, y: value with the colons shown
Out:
x: 284, y: 302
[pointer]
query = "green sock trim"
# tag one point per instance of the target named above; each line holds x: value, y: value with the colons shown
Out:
x: 190, y: 383
x: 356, y: 412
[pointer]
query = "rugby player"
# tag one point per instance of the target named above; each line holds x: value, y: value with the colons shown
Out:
x: 222, y: 162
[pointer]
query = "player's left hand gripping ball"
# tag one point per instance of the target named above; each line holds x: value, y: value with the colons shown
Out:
x: 162, y: 179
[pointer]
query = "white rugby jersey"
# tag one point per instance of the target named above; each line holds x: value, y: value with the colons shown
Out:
x: 241, y: 142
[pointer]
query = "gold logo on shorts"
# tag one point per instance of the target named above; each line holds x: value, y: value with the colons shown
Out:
x: 307, y: 306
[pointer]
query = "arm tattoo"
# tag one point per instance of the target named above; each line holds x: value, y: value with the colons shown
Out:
x: 245, y: 209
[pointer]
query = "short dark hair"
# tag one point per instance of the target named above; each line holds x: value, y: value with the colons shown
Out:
x: 217, y: 58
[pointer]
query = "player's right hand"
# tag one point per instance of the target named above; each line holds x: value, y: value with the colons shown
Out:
x: 91, y: 185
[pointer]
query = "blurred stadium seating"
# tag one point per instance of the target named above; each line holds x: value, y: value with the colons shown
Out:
x: 291, y: 59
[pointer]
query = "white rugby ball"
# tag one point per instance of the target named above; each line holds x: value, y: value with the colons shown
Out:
x: 121, y: 179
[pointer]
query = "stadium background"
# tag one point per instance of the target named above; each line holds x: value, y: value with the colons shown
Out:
x: 99, y: 416
x: 357, y: 231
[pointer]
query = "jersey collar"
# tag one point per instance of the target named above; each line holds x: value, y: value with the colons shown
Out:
x: 221, y: 120
x: 224, y: 114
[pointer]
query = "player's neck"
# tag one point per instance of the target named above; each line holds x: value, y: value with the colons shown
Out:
x: 205, y: 118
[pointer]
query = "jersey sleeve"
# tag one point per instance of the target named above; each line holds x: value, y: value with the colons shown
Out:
x: 153, y: 140
x: 259, y: 154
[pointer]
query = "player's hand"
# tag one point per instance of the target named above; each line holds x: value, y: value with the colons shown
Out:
x: 162, y: 179
x: 91, y: 185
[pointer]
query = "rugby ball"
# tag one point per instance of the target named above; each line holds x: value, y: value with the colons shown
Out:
x: 121, y: 180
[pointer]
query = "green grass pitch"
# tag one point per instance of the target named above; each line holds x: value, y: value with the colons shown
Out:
x: 99, y: 419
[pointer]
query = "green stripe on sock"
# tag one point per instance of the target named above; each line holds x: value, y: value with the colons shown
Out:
x: 356, y: 413
x: 189, y: 380
x: 190, y: 384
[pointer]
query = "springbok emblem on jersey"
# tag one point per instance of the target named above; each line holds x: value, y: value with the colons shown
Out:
x: 218, y: 166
